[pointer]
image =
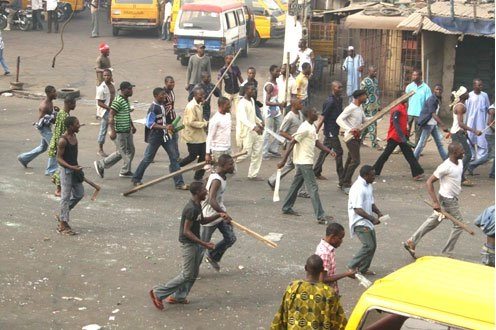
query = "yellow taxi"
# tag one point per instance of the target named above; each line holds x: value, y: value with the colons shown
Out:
x: 135, y: 15
x: 432, y: 293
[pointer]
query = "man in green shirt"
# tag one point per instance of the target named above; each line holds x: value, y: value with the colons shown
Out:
x: 121, y: 132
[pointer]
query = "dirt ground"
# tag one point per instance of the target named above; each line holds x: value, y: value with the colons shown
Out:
x: 128, y: 244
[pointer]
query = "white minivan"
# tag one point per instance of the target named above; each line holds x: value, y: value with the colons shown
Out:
x: 220, y: 27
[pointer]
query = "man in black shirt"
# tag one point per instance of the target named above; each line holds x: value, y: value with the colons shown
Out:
x: 331, y: 110
x: 176, y: 290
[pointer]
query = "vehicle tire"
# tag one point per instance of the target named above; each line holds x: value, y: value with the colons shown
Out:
x: 115, y: 31
x: 263, y: 41
x: 65, y: 92
x: 184, y: 60
x: 3, y: 22
x: 255, y: 42
x: 25, y: 24
x: 244, y: 52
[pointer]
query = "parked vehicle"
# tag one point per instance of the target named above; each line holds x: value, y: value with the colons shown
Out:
x: 431, y: 293
x: 135, y: 15
x: 22, y: 20
x: 221, y: 28
x: 270, y: 21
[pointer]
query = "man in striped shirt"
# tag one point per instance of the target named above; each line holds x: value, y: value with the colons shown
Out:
x: 121, y: 132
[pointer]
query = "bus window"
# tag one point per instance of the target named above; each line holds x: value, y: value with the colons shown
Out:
x: 241, y: 17
x: 200, y: 20
x: 231, y: 20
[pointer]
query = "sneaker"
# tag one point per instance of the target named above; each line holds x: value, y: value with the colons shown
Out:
x: 99, y: 170
x: 126, y: 175
x: 136, y: 184
x: 22, y: 163
x: 215, y: 264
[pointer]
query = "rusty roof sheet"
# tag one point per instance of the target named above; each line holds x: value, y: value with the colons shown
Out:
x: 484, y: 11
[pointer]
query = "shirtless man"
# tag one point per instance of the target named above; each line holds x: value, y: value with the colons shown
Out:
x: 46, y: 117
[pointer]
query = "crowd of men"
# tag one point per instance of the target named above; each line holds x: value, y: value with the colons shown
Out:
x: 281, y: 124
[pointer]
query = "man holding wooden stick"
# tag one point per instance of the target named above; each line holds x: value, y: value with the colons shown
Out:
x: 449, y: 174
x: 214, y: 204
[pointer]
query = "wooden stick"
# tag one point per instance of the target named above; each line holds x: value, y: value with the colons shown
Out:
x: 94, y: 185
x: 488, y: 127
x: 222, y: 77
x: 286, y: 85
x: 171, y: 175
x: 381, y: 113
x: 254, y: 234
x: 453, y: 219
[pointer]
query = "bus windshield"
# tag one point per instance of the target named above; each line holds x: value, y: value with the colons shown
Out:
x: 200, y: 20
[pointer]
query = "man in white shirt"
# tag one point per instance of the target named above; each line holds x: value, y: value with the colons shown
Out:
x: 105, y: 94
x: 250, y: 131
x: 350, y: 120
x: 167, y: 20
x: 94, y: 9
x: 37, y: 6
x: 286, y: 95
x: 51, y: 7
x: 449, y: 174
x: 361, y: 207
x: 305, y: 55
x: 304, y: 141
x: 219, y: 131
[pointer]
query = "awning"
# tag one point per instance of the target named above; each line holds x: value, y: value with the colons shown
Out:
x: 361, y: 21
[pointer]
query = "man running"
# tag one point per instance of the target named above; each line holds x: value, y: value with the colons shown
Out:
x: 176, y: 290
x: 213, y: 205
x: 71, y: 174
x: 449, y: 175
x: 46, y: 117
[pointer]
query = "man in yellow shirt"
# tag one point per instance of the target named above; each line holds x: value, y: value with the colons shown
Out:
x: 194, y: 131
x: 302, y: 83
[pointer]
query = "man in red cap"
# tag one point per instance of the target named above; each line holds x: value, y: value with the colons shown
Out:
x: 102, y: 62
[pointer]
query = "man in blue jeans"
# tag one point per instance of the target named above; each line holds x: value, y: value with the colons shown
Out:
x: 429, y: 121
x: 157, y: 134
x: 490, y: 144
x: 214, y: 204
x: 46, y: 117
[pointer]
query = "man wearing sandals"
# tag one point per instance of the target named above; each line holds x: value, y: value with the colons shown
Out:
x: 70, y: 174
x: 176, y: 290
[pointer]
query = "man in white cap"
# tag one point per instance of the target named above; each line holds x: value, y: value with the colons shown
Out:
x: 353, y: 65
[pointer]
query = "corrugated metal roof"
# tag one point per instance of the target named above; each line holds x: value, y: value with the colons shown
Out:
x: 466, y: 10
x: 351, y: 8
x: 416, y: 21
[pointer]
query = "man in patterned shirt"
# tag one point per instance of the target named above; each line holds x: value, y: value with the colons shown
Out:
x: 372, y: 105
x: 327, y: 251
x: 309, y: 303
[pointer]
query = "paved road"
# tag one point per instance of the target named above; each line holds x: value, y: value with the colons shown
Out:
x: 126, y: 245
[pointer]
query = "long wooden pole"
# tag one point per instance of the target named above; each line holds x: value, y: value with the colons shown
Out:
x: 171, y: 175
x: 453, y: 219
x: 222, y: 77
x: 254, y: 234
x: 381, y: 113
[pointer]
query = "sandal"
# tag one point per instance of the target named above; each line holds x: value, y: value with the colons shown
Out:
x: 174, y: 301
x: 409, y: 249
x: 157, y: 302
x: 65, y: 229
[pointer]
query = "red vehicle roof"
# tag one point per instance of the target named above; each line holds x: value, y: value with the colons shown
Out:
x: 205, y: 6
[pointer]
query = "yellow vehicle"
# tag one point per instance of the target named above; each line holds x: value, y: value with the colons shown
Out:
x: 269, y: 19
x: 432, y: 293
x: 135, y: 15
x: 283, y: 4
